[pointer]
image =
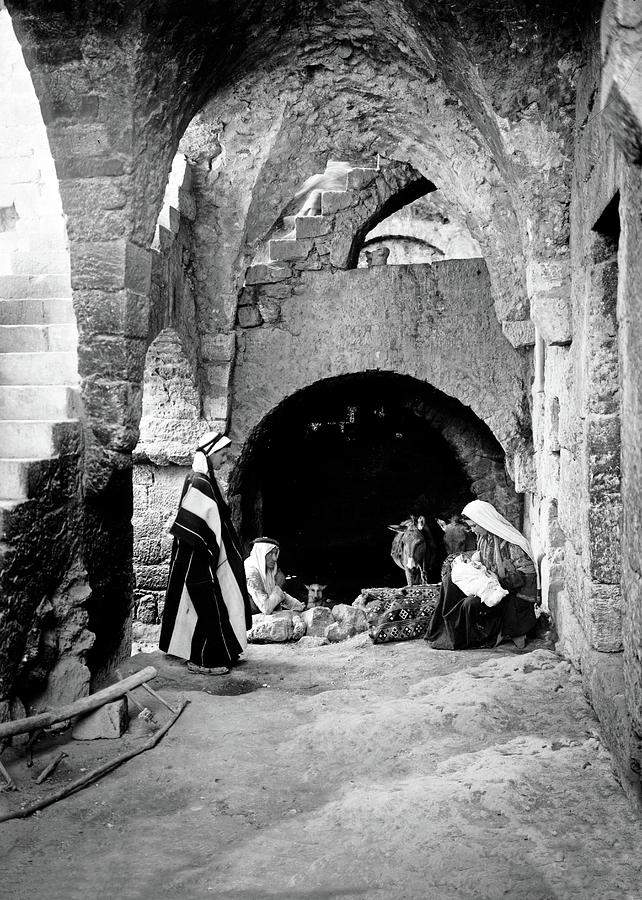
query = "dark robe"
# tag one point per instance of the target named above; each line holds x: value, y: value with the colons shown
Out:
x: 460, y: 622
x: 207, y: 608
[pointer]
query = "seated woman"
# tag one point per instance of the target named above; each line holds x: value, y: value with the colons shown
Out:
x: 461, y: 621
x: 265, y: 582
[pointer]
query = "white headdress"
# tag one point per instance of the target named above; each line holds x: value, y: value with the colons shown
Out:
x: 211, y: 442
x: 485, y: 514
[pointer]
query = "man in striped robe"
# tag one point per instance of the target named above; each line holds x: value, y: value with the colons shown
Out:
x: 207, y: 609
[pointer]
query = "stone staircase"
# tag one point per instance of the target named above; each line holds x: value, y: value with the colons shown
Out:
x: 307, y: 229
x: 39, y: 398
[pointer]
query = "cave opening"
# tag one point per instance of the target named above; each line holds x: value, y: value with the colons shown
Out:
x: 334, y: 464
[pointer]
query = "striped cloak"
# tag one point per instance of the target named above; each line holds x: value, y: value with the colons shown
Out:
x: 207, y: 610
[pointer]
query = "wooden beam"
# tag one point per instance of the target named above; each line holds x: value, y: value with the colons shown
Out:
x: 95, y: 774
x: 78, y: 707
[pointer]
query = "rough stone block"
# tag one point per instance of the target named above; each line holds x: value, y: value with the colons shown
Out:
x: 312, y: 226
x: 68, y: 680
x: 98, y: 264
x: 110, y: 721
x: 603, y: 614
x: 334, y: 201
x: 298, y: 627
x: 113, y: 356
x: 218, y: 347
x: 145, y: 634
x: 317, y: 620
x: 264, y: 273
x: 520, y: 333
x: 309, y: 641
x: 552, y: 424
x: 270, y: 310
x: 350, y: 616
x: 138, y: 268
x: 552, y: 315
x: 360, y: 178
x: 146, y: 609
x: 524, y: 469
x: 275, y: 629
x: 340, y: 631
x: 284, y: 249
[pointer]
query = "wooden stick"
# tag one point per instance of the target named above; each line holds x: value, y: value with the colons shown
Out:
x: 84, y: 705
x: 10, y: 782
x: 130, y: 696
x: 158, y: 697
x: 46, y: 772
x: 96, y: 773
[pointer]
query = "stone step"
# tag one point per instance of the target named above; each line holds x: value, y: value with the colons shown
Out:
x: 360, y: 177
x: 37, y: 338
x: 23, y: 287
x: 281, y: 249
x: 45, y: 311
x: 311, y: 226
x: 7, y: 508
x: 334, y: 201
x: 39, y: 262
x: 37, y: 440
x: 264, y: 273
x: 39, y: 401
x: 14, y: 478
x: 54, y: 367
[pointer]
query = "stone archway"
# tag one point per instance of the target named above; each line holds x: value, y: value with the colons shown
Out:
x: 331, y: 466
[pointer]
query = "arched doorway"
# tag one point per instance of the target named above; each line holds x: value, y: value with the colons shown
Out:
x: 335, y: 463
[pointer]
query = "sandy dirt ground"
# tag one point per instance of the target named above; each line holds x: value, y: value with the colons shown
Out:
x: 345, y: 771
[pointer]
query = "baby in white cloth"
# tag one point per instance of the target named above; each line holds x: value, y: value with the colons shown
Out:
x: 472, y: 577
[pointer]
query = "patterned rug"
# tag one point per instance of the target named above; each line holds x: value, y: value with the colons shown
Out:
x: 398, y: 614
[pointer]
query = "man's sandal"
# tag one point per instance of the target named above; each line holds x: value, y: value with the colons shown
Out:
x: 204, y: 670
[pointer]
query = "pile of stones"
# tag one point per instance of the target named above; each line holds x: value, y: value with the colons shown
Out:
x: 315, y: 626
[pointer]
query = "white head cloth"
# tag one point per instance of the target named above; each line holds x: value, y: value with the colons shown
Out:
x: 485, y: 514
x: 256, y: 560
x: 199, y: 463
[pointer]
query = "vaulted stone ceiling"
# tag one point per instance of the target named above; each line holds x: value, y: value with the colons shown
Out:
x: 478, y: 96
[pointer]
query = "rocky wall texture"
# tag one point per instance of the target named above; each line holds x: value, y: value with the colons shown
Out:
x: 43, y: 586
x: 621, y: 104
x: 435, y: 323
x: 43, y: 621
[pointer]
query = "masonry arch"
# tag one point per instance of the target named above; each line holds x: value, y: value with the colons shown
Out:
x: 328, y: 468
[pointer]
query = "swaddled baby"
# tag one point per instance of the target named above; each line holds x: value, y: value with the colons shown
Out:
x: 472, y: 577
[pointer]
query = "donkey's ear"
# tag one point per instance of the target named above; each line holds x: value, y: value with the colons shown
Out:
x: 397, y: 528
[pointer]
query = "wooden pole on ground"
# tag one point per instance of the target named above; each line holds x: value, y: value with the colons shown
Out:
x: 158, y: 697
x: 46, y: 772
x: 96, y: 773
x: 130, y: 696
x: 79, y: 707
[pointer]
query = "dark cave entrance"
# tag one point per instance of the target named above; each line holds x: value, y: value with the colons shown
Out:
x: 333, y: 465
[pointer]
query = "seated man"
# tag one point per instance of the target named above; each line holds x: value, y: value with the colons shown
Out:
x: 264, y: 580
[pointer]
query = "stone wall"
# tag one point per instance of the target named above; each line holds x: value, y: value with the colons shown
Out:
x: 43, y: 584
x: 480, y: 101
x: 621, y: 112
x: 171, y: 419
x: 435, y: 323
x: 582, y: 406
